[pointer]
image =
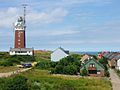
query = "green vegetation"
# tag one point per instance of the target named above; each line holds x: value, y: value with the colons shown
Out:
x: 42, y: 55
x: 7, y: 60
x: 14, y: 83
x: 42, y: 80
x: 36, y: 79
x: 104, y: 62
x: 8, y: 69
x: 69, y: 65
x: 118, y: 72
x: 84, y: 72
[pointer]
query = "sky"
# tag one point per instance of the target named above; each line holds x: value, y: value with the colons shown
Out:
x: 75, y: 25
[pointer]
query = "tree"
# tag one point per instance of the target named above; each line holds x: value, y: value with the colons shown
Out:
x: 70, y: 69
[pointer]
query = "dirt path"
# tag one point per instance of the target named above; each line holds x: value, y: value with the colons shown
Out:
x: 13, y: 72
x: 115, y: 80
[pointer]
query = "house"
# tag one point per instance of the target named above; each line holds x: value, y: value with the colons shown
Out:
x: 93, y: 67
x: 85, y: 58
x: 112, y: 60
x: 59, y: 54
x: 111, y: 56
x: 118, y: 61
x: 21, y: 51
x: 118, y: 64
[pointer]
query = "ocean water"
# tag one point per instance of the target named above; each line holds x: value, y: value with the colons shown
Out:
x: 91, y: 53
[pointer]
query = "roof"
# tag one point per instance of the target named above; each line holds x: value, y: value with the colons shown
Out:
x: 117, y: 56
x: 85, y: 57
x: 21, y: 49
x: 95, y: 62
x: 65, y: 51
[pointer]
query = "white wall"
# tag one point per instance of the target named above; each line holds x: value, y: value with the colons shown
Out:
x: 118, y: 64
x: 28, y: 53
x: 57, y: 55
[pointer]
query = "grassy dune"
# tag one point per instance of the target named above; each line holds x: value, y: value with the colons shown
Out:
x: 61, y: 82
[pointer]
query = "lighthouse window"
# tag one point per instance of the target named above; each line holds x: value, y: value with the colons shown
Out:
x: 18, y: 35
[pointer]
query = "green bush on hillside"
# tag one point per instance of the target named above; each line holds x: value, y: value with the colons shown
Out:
x: 16, y: 59
x: 69, y: 65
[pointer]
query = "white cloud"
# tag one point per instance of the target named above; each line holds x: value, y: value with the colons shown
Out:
x: 54, y: 32
x: 54, y: 15
x: 74, y: 42
x: 8, y: 16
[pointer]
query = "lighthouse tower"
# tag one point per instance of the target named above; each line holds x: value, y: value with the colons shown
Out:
x: 20, y: 40
x: 20, y: 33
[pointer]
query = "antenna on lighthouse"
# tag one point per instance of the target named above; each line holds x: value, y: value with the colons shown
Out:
x: 24, y: 13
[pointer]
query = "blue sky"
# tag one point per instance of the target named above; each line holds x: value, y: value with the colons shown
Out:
x: 76, y: 25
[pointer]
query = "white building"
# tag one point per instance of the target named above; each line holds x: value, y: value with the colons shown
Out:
x: 118, y: 64
x: 59, y: 54
x: 21, y: 51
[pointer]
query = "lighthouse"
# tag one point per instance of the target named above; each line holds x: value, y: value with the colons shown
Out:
x: 20, y: 33
x: 20, y: 39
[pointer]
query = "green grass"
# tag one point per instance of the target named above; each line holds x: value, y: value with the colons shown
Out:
x: 8, y: 69
x: 41, y: 56
x: 61, y: 82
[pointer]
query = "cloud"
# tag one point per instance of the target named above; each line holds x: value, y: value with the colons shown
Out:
x: 88, y: 42
x: 55, y: 15
x: 53, y: 33
x: 7, y: 16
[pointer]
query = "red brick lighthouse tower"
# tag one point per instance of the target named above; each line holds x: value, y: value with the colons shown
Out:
x: 20, y: 40
x: 20, y: 27
x: 20, y: 33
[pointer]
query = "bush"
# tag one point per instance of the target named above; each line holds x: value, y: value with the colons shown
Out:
x: 84, y: 72
x: 17, y: 83
x: 43, y: 65
x: 107, y: 74
x: 2, y: 84
x: 68, y: 65
x: 70, y: 70
x: 6, y: 63
x: 16, y: 59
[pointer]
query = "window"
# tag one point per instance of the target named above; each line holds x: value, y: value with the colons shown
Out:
x: 91, y: 65
x: 17, y: 51
x: 92, y: 71
x: 98, y: 71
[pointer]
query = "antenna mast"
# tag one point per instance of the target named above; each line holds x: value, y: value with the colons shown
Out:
x: 24, y: 13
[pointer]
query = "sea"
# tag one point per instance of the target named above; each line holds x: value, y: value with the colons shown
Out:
x: 91, y: 53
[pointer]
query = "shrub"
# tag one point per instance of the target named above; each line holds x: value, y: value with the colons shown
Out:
x: 107, y: 74
x: 84, y: 72
x: 70, y: 69
x: 43, y: 65
x: 17, y: 83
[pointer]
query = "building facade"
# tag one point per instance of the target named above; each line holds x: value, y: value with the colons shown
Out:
x: 93, y: 67
x: 58, y: 54
x: 21, y: 51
